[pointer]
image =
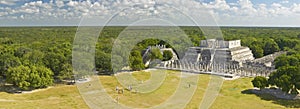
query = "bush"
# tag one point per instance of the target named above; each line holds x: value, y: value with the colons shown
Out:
x: 260, y: 82
x: 167, y: 55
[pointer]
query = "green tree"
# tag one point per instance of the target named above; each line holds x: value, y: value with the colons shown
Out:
x: 6, y: 41
x: 260, y: 82
x: 286, y: 43
x: 40, y: 77
x: 18, y: 76
x: 55, y: 61
x: 34, y: 57
x: 136, y: 61
x: 66, y: 73
x: 281, y: 61
x: 155, y: 54
x: 195, y: 38
x: 167, y: 55
x: 118, y: 63
x: 247, y: 41
x: 270, y: 47
x: 285, y: 60
x: 31, y: 77
x: 22, y: 51
x: 257, y: 51
x: 286, y: 78
x: 148, y: 42
x: 7, y: 61
x: 103, y: 61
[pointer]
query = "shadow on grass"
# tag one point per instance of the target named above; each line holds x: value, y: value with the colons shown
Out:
x: 284, y: 101
x: 9, y: 89
x: 104, y: 74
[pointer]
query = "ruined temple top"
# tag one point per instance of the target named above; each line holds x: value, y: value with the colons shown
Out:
x: 210, y: 43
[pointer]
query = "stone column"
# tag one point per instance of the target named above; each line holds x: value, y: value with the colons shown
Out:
x: 176, y: 64
x: 188, y: 66
x: 180, y: 65
x: 200, y: 67
x: 197, y: 66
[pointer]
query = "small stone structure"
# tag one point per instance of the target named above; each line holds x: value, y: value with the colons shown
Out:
x: 162, y: 49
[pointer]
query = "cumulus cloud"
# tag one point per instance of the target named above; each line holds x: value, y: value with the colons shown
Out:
x: 284, y: 1
x: 295, y: 8
x: 8, y: 2
x: 241, y: 12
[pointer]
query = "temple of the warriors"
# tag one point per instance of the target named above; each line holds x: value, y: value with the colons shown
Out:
x: 222, y: 58
x: 221, y: 50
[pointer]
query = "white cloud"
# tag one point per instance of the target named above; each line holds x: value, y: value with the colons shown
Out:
x: 284, y: 1
x: 295, y: 8
x: 8, y: 2
x: 276, y: 5
x: 59, y: 4
x: 245, y: 4
x: 219, y: 5
x: 240, y: 12
x: 22, y: 16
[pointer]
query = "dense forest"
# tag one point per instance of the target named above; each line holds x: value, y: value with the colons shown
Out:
x: 36, y: 57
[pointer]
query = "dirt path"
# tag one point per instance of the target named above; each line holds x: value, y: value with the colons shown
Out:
x: 36, y: 90
x: 6, y: 100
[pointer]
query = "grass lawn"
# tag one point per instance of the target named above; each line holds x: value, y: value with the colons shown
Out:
x: 230, y: 96
x: 58, y: 97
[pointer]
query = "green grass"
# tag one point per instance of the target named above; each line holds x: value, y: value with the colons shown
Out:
x: 142, y: 100
x: 142, y: 75
x: 58, y: 97
x: 230, y: 96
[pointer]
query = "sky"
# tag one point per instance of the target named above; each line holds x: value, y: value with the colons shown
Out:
x: 278, y: 13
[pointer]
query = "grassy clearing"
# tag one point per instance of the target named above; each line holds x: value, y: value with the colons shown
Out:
x: 142, y: 75
x: 138, y: 99
x: 64, y: 97
x: 230, y: 97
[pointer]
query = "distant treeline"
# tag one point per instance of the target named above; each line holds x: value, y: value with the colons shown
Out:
x: 44, y: 54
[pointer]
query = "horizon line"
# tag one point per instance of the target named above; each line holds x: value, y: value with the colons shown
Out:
x: 262, y: 26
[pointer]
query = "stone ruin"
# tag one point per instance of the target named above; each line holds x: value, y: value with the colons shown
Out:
x: 162, y: 49
x: 222, y: 58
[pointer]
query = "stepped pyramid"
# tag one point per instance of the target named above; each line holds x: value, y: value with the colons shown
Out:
x: 218, y: 51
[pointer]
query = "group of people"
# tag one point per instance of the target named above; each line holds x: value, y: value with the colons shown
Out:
x: 120, y: 90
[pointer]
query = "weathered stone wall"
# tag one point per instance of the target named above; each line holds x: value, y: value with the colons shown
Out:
x: 228, y: 62
x: 220, y: 43
x: 227, y: 69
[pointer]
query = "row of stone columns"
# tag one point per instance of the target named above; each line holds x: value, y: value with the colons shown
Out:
x: 228, y: 68
x: 184, y: 65
x: 251, y: 70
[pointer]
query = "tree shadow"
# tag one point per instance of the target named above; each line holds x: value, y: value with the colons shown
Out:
x: 285, y: 101
x: 104, y: 74
x: 6, y: 88
x: 10, y: 89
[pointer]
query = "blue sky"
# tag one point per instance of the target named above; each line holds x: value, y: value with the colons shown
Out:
x: 226, y: 12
